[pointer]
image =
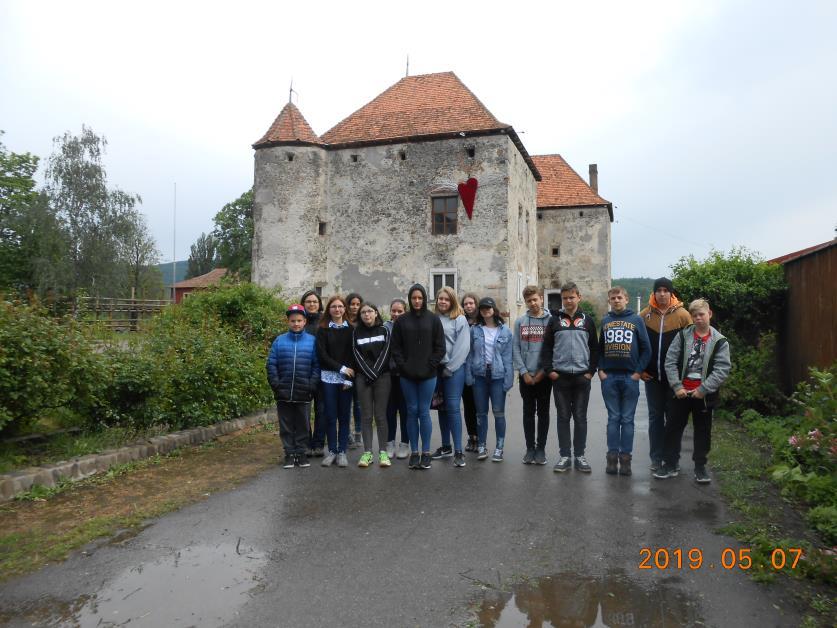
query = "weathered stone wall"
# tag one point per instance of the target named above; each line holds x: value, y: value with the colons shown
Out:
x: 287, y: 210
x: 583, y: 237
x: 523, y: 260
x: 377, y: 210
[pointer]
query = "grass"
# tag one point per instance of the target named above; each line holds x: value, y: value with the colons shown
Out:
x: 67, y: 445
x: 45, y: 525
x: 765, y: 522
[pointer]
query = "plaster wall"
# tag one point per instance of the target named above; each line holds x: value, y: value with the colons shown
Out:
x: 582, y: 235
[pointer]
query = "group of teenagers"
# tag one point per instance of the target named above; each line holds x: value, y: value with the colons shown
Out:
x: 462, y: 355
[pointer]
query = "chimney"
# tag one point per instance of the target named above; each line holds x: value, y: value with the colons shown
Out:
x: 594, y: 178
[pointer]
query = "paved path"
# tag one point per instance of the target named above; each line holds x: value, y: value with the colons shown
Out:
x: 394, y: 547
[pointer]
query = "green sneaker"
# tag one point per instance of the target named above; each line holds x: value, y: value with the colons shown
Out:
x: 365, y: 459
x: 383, y: 459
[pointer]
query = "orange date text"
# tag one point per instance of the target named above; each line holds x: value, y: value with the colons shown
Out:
x: 664, y: 558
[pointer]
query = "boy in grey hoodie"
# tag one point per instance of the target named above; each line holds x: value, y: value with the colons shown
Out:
x: 529, y: 332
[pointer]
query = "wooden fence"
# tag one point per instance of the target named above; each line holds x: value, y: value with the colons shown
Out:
x: 118, y: 314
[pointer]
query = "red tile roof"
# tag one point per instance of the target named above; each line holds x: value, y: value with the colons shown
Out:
x: 784, y: 259
x: 561, y: 186
x: 290, y: 127
x: 212, y: 278
x: 416, y: 106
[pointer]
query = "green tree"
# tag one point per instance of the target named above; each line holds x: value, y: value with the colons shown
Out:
x: 144, y: 279
x: 234, y: 235
x: 17, y: 195
x: 98, y: 220
x: 203, y: 256
x: 747, y: 296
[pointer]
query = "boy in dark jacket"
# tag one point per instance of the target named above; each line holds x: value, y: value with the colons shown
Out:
x: 293, y: 372
x: 624, y: 352
x: 569, y: 358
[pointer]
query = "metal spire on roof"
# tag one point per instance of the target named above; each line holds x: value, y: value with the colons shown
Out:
x: 292, y: 91
x: 408, y: 66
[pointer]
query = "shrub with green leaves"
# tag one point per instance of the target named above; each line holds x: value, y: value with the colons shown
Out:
x: 747, y: 296
x: 252, y: 312
x: 45, y: 364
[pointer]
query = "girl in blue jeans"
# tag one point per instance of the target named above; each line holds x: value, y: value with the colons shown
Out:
x: 418, y: 346
x: 490, y: 371
x: 452, y: 374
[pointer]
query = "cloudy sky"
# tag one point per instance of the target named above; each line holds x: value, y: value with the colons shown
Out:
x: 713, y: 124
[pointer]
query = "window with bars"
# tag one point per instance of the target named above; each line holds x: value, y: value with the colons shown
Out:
x: 444, y: 214
x: 442, y: 277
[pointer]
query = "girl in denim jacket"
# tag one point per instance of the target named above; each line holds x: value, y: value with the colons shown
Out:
x: 491, y: 373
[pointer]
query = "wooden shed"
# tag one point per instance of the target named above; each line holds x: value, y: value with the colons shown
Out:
x: 809, y: 330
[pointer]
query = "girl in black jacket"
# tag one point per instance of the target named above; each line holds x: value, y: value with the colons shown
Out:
x: 334, y: 350
x: 418, y: 346
x: 371, y: 348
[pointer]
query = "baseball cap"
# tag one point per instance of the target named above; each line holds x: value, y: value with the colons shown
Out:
x: 487, y: 302
x: 296, y: 308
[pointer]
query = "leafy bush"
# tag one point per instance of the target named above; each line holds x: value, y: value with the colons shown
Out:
x: 45, y: 364
x: 252, y: 312
x: 590, y: 310
x: 746, y: 294
x: 184, y: 375
x: 824, y: 520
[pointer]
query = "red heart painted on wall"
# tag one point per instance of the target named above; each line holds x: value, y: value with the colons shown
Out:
x: 468, y: 192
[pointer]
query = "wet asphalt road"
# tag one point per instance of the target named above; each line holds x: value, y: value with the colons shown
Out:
x: 394, y: 547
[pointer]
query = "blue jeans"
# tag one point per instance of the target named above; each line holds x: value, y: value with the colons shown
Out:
x: 656, y: 393
x: 338, y: 408
x: 486, y: 390
x: 620, y: 394
x: 450, y: 416
x: 418, y: 393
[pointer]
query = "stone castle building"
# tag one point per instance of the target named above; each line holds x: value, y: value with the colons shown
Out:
x: 423, y: 184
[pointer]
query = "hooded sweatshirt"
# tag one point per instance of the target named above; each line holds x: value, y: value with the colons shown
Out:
x: 662, y: 326
x: 570, y: 345
x: 457, y: 341
x: 418, y: 340
x: 623, y: 343
x: 529, y: 333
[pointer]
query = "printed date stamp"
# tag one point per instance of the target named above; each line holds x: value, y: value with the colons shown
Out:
x: 665, y: 558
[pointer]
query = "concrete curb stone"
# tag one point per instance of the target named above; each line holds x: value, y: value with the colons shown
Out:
x: 84, y: 466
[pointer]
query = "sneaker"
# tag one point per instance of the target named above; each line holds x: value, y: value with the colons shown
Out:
x: 482, y: 452
x: 403, y: 451
x: 656, y: 465
x: 498, y: 456
x: 290, y: 461
x: 701, y: 476
x: 425, y: 461
x: 665, y: 472
x: 391, y: 449
x: 365, y: 459
x: 342, y: 460
x: 383, y: 459
x: 329, y: 460
x: 317, y: 452
x: 540, y: 456
x: 564, y: 463
x: 529, y: 458
x: 582, y: 465
x: 302, y: 461
x: 442, y: 452
x: 359, y: 440
x: 415, y: 460
x: 458, y: 459
x: 471, y: 445
x: 353, y: 442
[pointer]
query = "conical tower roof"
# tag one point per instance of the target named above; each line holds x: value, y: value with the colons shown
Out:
x: 289, y: 128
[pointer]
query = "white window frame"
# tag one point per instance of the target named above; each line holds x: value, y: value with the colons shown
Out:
x: 519, y: 288
x: 442, y: 271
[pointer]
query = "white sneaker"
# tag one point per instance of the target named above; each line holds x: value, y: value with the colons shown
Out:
x: 342, y: 460
x: 403, y: 451
x: 391, y: 449
x: 329, y: 459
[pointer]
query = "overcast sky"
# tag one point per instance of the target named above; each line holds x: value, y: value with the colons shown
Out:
x: 713, y: 124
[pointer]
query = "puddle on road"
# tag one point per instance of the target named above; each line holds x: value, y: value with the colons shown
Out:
x: 578, y: 601
x: 202, y: 585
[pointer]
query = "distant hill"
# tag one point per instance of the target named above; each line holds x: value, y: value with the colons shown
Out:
x: 179, y: 271
x: 636, y: 286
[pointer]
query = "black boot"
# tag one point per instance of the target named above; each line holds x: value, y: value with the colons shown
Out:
x: 624, y: 464
x: 612, y: 459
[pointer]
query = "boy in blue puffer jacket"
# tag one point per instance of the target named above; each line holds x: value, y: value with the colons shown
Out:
x: 293, y: 372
